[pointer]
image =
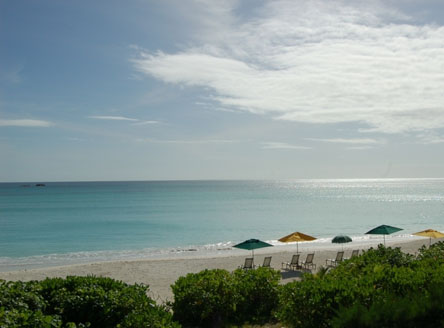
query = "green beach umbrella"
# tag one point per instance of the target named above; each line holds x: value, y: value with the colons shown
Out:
x: 252, y: 244
x: 383, y: 230
x: 341, y: 239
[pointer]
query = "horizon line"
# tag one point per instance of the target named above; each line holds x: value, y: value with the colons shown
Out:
x: 215, y: 180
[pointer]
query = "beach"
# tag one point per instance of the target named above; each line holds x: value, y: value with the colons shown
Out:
x: 160, y: 274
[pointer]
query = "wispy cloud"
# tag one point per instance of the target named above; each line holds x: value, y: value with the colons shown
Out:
x: 360, y: 148
x: 360, y: 141
x: 26, y: 123
x: 114, y: 118
x: 316, y: 62
x: 146, y: 122
x: 282, y: 145
x: 430, y: 138
x: 135, y: 121
x: 184, y: 141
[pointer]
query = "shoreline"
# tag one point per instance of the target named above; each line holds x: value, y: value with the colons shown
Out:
x: 159, y: 274
x: 217, y: 249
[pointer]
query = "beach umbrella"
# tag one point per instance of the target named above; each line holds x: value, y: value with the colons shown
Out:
x: 383, y: 230
x: 341, y: 239
x: 296, y: 237
x: 430, y: 233
x: 252, y: 244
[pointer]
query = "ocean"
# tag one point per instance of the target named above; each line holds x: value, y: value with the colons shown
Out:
x: 77, y: 222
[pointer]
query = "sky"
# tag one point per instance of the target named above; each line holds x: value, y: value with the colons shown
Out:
x: 200, y: 89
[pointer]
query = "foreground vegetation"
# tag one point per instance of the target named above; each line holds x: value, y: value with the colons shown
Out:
x: 79, y: 302
x: 381, y: 288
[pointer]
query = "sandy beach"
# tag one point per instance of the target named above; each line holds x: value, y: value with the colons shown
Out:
x: 159, y: 274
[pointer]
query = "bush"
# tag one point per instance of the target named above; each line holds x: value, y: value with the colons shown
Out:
x: 27, y: 319
x: 257, y: 294
x: 313, y: 301
x: 216, y: 297
x: 415, y: 310
x: 21, y: 305
x: 368, y: 280
x: 79, y: 302
x: 204, y: 299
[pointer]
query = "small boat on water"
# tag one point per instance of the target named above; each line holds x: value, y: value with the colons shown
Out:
x: 40, y: 185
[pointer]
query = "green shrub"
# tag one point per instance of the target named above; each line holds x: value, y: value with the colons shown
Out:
x: 21, y: 295
x: 21, y: 305
x: 204, y: 299
x: 257, y: 294
x: 216, y: 297
x: 79, y: 302
x: 101, y: 302
x: 313, y: 301
x: 424, y: 309
x: 27, y: 319
x: 433, y: 255
x: 368, y: 280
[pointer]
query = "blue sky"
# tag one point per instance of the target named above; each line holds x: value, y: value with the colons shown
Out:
x: 142, y: 90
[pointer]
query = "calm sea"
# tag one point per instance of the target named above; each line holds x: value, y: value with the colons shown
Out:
x: 65, y: 223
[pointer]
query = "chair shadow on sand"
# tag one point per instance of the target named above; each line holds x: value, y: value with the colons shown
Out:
x: 291, y: 274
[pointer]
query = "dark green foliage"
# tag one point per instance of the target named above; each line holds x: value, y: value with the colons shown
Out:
x: 257, y: 294
x: 433, y: 255
x: 79, y: 302
x: 365, y: 282
x: 216, y: 297
x: 27, y: 318
x: 204, y: 299
x: 414, y: 310
x: 21, y: 305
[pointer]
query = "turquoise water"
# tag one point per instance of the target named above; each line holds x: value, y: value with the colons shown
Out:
x: 87, y: 221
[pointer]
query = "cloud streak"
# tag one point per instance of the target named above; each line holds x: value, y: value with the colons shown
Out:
x: 355, y: 141
x: 122, y: 118
x: 114, y: 118
x: 189, y: 142
x: 26, y: 123
x: 282, y: 145
x: 317, y: 62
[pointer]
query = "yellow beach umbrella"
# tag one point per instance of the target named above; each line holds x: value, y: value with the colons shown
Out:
x: 296, y: 237
x: 430, y: 233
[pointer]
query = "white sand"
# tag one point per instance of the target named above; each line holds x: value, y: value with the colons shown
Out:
x: 159, y: 274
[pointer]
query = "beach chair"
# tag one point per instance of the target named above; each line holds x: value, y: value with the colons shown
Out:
x: 354, y: 253
x: 308, y: 263
x: 267, y: 262
x: 248, y: 264
x: 293, y: 265
x: 334, y: 262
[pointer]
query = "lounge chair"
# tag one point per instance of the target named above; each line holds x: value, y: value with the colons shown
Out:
x: 294, y: 264
x: 334, y: 262
x: 308, y: 263
x: 248, y: 264
x: 267, y: 262
x: 354, y: 253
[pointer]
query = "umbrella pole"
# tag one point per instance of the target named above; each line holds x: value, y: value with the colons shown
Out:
x: 384, y: 240
x: 297, y: 247
x: 430, y: 244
